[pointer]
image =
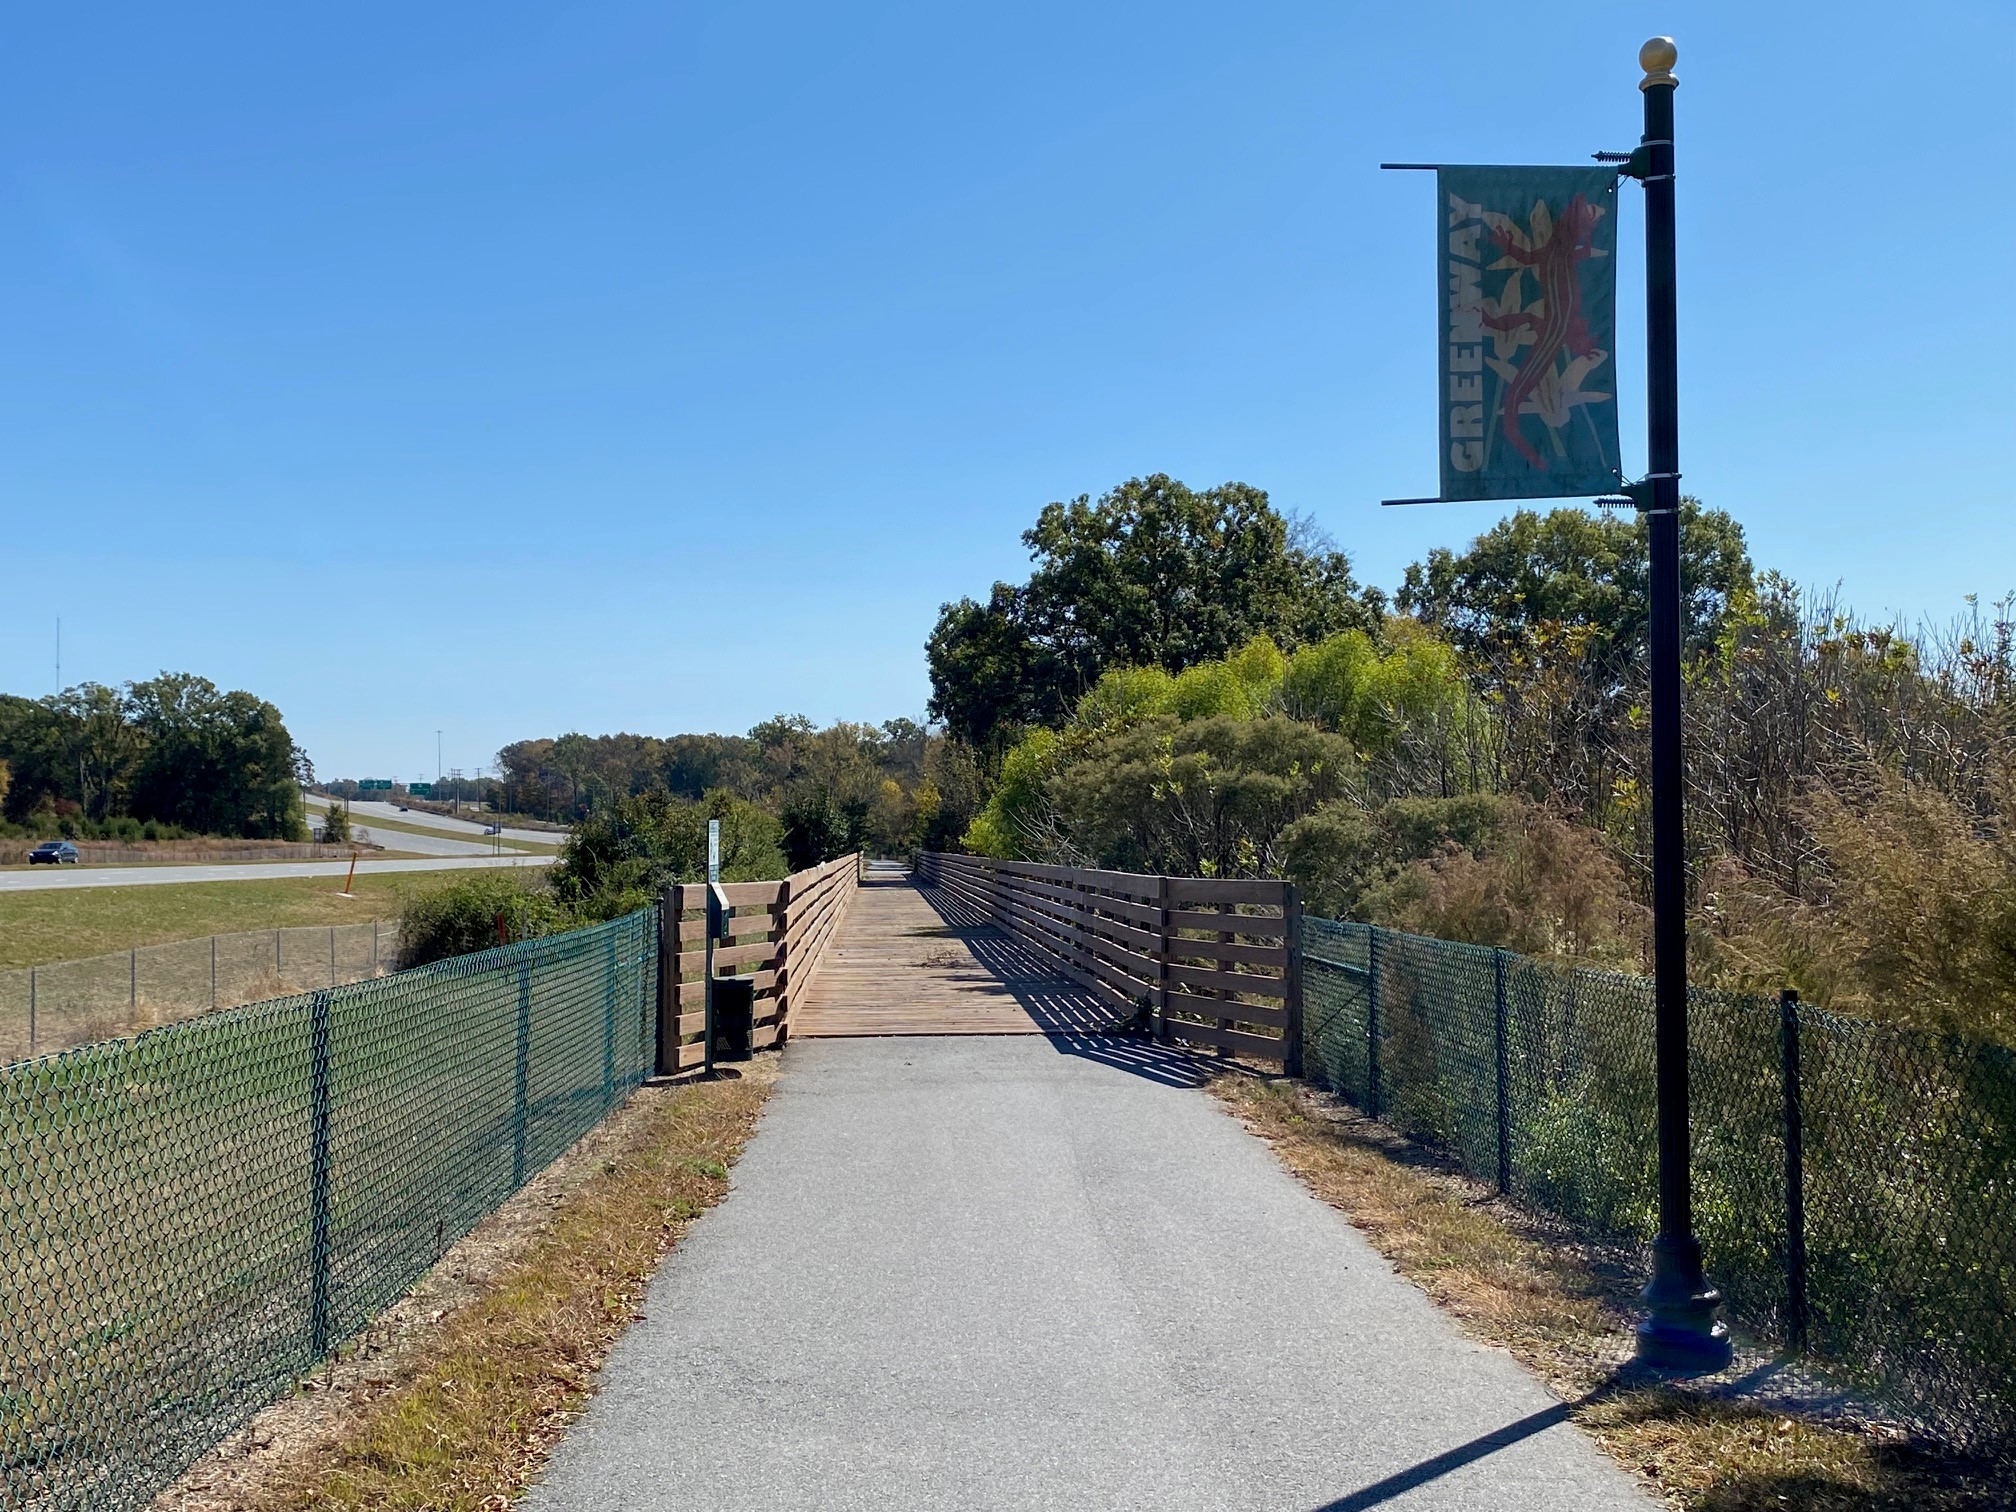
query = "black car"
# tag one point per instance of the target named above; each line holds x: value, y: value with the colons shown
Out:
x: 55, y: 852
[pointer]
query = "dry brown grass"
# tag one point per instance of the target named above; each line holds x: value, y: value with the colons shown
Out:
x: 1565, y: 1312
x: 479, y: 1397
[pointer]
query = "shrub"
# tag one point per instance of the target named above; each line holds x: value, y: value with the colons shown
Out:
x: 475, y: 912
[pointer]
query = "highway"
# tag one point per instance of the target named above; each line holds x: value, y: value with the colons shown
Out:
x: 45, y: 878
x: 363, y: 811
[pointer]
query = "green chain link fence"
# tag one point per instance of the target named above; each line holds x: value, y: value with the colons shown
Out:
x: 1855, y: 1182
x: 192, y: 1218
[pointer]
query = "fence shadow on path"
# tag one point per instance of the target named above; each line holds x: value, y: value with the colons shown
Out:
x: 1076, y: 1021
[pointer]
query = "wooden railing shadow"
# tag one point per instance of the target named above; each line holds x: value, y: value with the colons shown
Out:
x: 1076, y: 1021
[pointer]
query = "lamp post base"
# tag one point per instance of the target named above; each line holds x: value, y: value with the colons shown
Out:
x: 1681, y: 1332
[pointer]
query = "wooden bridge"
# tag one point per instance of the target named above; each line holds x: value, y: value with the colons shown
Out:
x: 975, y: 946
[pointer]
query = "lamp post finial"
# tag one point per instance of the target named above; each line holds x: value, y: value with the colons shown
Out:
x: 1657, y: 58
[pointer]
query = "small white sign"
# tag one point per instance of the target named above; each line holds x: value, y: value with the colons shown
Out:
x: 713, y: 850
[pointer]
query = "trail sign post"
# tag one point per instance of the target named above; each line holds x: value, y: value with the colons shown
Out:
x: 717, y: 928
x: 1529, y: 285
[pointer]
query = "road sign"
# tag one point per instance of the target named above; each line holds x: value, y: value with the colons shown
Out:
x: 713, y: 850
x: 420, y: 789
x: 375, y: 785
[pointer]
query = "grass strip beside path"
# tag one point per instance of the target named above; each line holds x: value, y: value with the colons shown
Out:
x: 1566, y: 1311
x: 470, y: 1414
x: 70, y: 923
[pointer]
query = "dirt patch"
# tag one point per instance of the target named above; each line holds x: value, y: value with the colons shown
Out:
x: 488, y: 1358
x: 1768, y: 1439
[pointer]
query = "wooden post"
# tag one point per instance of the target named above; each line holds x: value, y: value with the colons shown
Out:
x: 1164, y: 949
x: 1226, y: 937
x: 780, y: 961
x: 668, y: 983
x: 1291, y: 984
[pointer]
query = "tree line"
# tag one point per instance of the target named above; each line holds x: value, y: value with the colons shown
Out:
x: 173, y: 755
x: 1191, y: 682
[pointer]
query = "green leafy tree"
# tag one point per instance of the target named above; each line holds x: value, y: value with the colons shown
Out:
x: 627, y: 853
x: 1573, y: 569
x: 1152, y: 574
x: 216, y: 763
x: 335, y: 823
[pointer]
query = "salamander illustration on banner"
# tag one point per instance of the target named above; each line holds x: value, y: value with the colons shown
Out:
x: 1528, y: 329
x: 1554, y: 324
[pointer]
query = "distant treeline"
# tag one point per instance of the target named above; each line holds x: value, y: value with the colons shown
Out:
x: 885, y: 787
x: 170, y: 756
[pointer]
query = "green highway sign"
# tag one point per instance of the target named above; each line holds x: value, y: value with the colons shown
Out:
x: 420, y: 789
x: 375, y: 785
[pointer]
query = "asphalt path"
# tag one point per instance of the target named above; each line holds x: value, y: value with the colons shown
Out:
x: 47, y: 878
x: 1020, y: 1272
x: 364, y: 811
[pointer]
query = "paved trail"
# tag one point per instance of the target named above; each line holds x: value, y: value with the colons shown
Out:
x: 1022, y: 1272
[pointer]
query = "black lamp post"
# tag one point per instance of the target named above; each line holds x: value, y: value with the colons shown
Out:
x: 1680, y: 1330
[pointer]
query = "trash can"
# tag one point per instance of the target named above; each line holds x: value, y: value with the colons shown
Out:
x: 734, y: 1017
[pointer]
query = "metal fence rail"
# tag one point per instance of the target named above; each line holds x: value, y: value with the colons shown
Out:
x: 191, y: 1218
x: 1855, y: 1183
x: 44, y: 1009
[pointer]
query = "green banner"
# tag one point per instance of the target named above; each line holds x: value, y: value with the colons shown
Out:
x: 1529, y: 327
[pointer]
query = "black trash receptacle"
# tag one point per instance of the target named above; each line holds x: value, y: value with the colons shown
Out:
x: 734, y: 1017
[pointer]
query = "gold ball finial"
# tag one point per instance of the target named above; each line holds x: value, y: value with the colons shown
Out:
x: 1657, y: 58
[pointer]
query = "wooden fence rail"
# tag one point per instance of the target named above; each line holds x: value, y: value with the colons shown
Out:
x: 1203, y: 961
x: 777, y: 933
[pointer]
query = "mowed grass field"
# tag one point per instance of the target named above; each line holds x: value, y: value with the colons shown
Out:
x: 65, y: 924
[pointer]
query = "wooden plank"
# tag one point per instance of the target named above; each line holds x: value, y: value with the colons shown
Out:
x: 1260, y: 1046
x: 1189, y: 947
x: 729, y: 955
x: 1257, y: 926
x: 1229, y: 1010
x: 693, y: 895
x: 1219, y: 890
x: 1228, y: 981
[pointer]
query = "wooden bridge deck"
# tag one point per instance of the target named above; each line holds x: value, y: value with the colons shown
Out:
x: 912, y: 959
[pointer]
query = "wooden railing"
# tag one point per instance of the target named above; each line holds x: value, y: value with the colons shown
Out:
x: 777, y: 932
x: 1201, y: 961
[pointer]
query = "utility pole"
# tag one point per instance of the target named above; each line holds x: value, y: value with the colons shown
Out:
x: 437, y: 755
x: 1680, y: 1330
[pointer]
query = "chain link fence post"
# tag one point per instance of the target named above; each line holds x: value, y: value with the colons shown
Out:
x: 1372, y: 1021
x: 1502, y: 1045
x: 609, y: 1024
x: 523, y: 1074
x: 1795, y: 1171
x: 213, y: 971
x: 318, y: 1175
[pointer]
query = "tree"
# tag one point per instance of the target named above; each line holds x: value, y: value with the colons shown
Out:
x: 1153, y: 574
x: 217, y: 763
x: 627, y: 853
x: 335, y: 823
x: 1572, y: 569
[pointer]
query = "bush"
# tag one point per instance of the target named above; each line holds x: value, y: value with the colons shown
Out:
x: 475, y: 912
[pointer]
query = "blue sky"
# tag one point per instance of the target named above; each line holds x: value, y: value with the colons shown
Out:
x: 507, y: 369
